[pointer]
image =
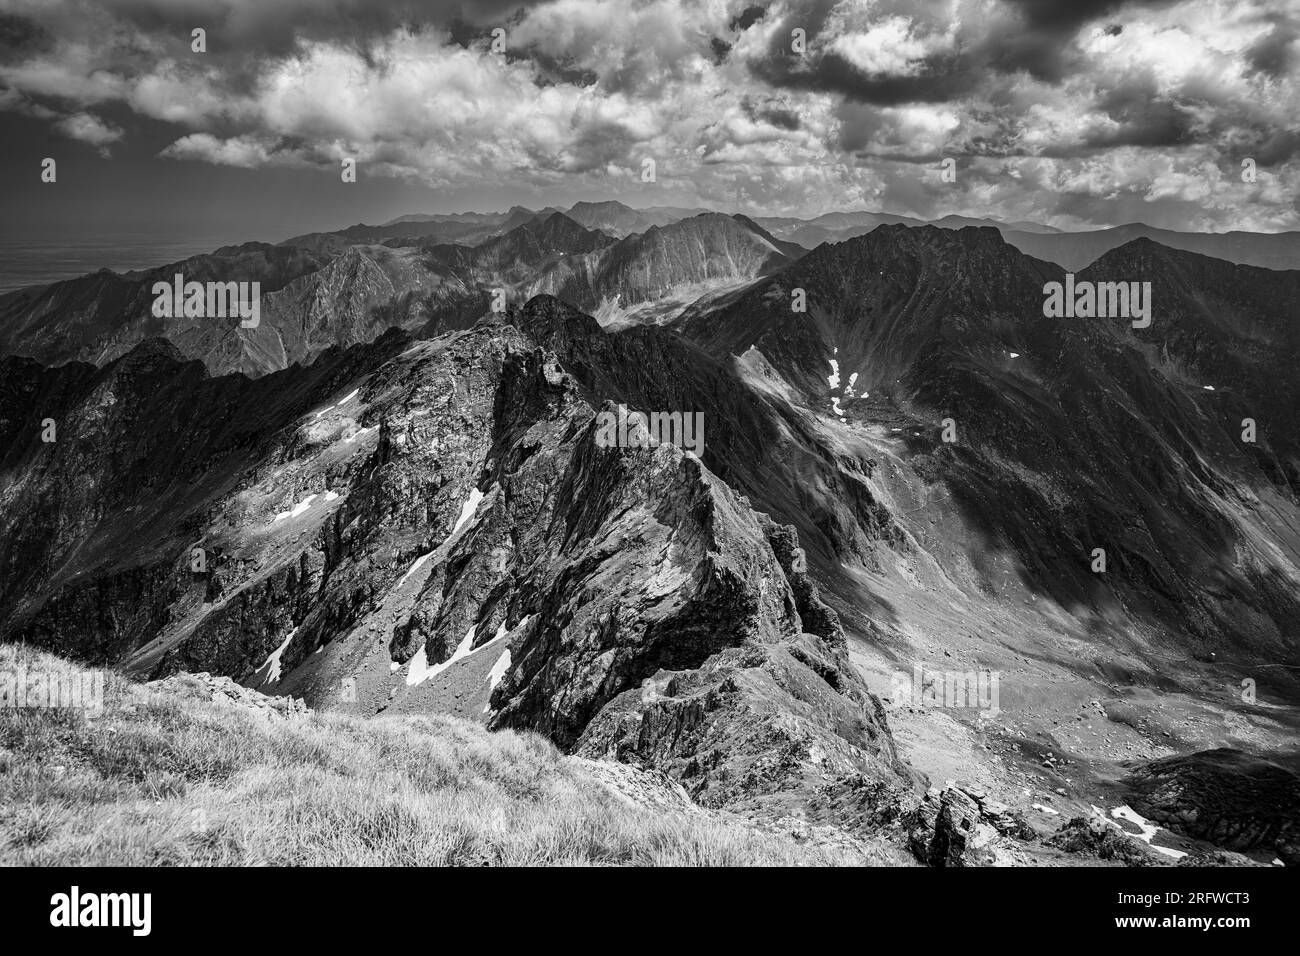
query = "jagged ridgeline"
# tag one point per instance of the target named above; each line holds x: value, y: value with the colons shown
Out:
x: 347, y: 288
x: 390, y: 498
x: 358, y: 524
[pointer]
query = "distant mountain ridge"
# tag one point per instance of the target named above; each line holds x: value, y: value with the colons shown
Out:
x: 442, y: 271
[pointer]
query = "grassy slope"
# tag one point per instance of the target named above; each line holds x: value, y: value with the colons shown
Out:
x: 166, y: 776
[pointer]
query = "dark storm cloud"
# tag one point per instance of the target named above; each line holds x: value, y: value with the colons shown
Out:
x: 782, y: 119
x: 1032, y: 36
x: 21, y: 38
x: 747, y: 18
x: 242, y: 36
x: 252, y: 27
x: 769, y: 112
x: 552, y: 70
x: 1041, y: 44
x: 1045, y: 56
x: 594, y: 147
x: 1062, y: 17
x: 1274, y: 53
x: 1143, y: 118
x: 1277, y: 146
x: 941, y: 79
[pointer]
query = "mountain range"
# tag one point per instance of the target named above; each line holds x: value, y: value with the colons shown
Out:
x: 389, y: 498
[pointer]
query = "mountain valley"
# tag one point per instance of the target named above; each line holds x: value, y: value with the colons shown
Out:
x: 387, y: 499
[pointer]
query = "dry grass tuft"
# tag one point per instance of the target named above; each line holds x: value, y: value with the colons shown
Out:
x: 171, y: 778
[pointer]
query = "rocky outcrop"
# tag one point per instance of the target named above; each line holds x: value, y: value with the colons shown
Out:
x: 1231, y: 799
x: 753, y: 727
x: 1095, y: 837
x: 961, y: 826
x: 648, y: 789
x: 224, y: 691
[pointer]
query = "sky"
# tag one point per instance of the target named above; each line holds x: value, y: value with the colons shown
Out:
x: 1077, y: 114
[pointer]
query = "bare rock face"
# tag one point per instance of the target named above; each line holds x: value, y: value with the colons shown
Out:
x: 1095, y: 837
x: 752, y: 727
x: 958, y: 826
x: 1218, y: 858
x: 1229, y: 798
x: 647, y: 789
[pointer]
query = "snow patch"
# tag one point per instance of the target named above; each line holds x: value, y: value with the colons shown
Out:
x: 297, y: 509
x: 1208, y: 388
x: 833, y: 380
x: 1014, y: 354
x: 468, y: 508
x: 330, y: 496
x: 498, y: 671
x: 414, y: 567
x: 272, y: 664
x: 1047, y: 809
x: 421, y: 670
x: 503, y: 663
x: 1149, y: 830
x: 338, y: 404
x: 495, y: 675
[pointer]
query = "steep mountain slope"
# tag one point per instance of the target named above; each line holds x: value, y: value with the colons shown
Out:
x: 612, y: 217
x: 309, y: 301
x: 684, y: 259
x: 769, y: 448
x: 380, y: 527
x: 1071, y: 434
x: 518, y: 258
x: 414, y: 525
x: 101, y: 316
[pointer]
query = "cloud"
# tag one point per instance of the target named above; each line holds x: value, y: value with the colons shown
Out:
x: 89, y: 129
x: 887, y: 47
x: 1057, y: 111
x: 1274, y: 54
x: 239, y: 151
